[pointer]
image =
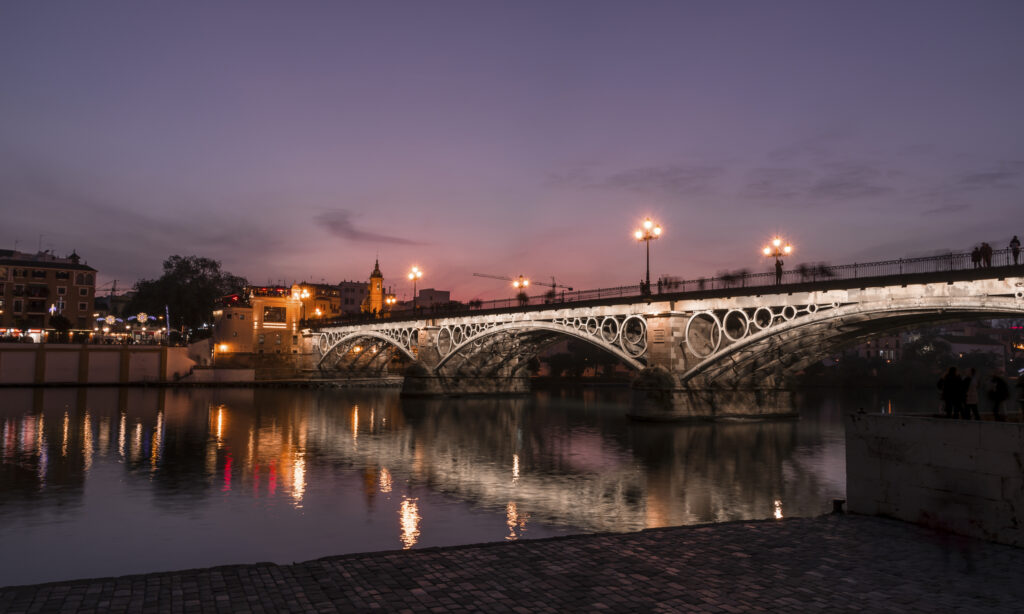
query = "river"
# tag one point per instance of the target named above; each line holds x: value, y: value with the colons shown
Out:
x: 110, y: 481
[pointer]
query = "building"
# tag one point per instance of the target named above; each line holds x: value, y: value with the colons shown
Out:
x: 261, y: 320
x: 374, y: 301
x: 353, y: 295
x: 317, y: 301
x: 429, y: 297
x: 35, y: 287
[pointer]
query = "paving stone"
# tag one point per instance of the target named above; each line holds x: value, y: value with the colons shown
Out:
x: 835, y: 563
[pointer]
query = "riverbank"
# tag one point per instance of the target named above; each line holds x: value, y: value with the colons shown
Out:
x: 829, y: 563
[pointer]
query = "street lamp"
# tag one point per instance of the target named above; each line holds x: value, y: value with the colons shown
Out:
x: 648, y: 231
x: 777, y: 249
x: 414, y: 274
x: 522, y: 282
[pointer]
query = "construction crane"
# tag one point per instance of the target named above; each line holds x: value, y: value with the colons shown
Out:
x: 523, y: 282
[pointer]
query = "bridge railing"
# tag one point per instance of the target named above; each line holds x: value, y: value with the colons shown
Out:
x: 801, y: 274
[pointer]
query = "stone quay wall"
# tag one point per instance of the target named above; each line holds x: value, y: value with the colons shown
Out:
x: 28, y: 364
x: 962, y: 476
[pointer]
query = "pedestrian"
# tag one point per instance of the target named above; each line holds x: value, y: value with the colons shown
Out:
x: 997, y: 393
x: 1020, y: 395
x: 950, y: 391
x: 986, y: 255
x: 976, y: 257
x: 970, y: 387
x: 1015, y: 248
x: 778, y: 271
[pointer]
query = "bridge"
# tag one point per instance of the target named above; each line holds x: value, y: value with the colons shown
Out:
x: 701, y: 349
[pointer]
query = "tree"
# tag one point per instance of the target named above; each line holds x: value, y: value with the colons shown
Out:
x: 523, y: 298
x: 189, y: 287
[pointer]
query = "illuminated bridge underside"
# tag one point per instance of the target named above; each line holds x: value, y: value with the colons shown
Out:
x: 712, y: 356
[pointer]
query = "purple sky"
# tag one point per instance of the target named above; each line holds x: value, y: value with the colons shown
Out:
x: 297, y: 140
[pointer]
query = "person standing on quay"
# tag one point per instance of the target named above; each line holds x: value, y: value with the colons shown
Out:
x: 997, y: 393
x: 951, y: 391
x: 1015, y: 248
x: 970, y: 386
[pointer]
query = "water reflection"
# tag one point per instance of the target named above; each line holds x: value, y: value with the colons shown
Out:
x: 189, y: 478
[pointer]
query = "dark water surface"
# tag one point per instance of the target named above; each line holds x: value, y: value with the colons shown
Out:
x: 98, y: 482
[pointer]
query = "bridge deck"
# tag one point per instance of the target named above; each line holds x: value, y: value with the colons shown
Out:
x: 738, y: 289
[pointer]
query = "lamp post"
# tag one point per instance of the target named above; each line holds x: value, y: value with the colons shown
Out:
x: 414, y: 274
x: 777, y: 248
x: 521, y: 284
x: 648, y: 231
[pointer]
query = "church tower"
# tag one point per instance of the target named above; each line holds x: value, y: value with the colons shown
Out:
x: 375, y: 299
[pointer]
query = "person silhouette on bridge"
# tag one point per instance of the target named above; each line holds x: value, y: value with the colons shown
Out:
x: 778, y: 271
x: 976, y: 257
x: 1015, y: 248
x: 986, y: 255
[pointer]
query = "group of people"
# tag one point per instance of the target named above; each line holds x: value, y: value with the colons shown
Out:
x: 960, y: 394
x: 981, y: 255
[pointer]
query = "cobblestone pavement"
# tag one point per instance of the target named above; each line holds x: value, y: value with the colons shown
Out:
x: 830, y: 563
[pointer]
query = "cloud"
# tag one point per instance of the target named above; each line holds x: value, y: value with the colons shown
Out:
x: 339, y: 223
x: 776, y: 183
x: 1002, y: 177
x: 946, y: 209
x: 849, y: 182
x: 672, y: 180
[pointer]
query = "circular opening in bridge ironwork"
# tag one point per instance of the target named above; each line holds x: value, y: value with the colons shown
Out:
x: 763, y: 317
x: 835, y: 304
x: 788, y: 312
x: 592, y: 326
x: 633, y: 336
x: 323, y: 343
x: 609, y: 329
x: 812, y: 308
x: 458, y: 335
x: 708, y: 332
x: 735, y: 324
x: 1019, y: 294
x: 444, y: 341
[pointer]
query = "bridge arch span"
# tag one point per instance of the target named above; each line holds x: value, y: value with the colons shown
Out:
x: 331, y: 343
x: 629, y: 351
x: 766, y: 356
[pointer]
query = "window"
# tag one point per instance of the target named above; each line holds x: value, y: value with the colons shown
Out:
x: 227, y: 316
x: 261, y: 339
x: 241, y: 316
x: 274, y: 314
x: 83, y: 292
x: 61, y: 290
x: 234, y: 333
x: 277, y: 339
x: 20, y: 272
x: 62, y: 275
x: 295, y: 338
x: 3, y: 272
x: 18, y: 306
x: 83, y: 307
x: 38, y: 274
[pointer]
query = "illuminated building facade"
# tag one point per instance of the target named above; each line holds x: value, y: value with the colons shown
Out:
x: 318, y: 301
x: 374, y: 302
x: 35, y: 287
x: 260, y: 320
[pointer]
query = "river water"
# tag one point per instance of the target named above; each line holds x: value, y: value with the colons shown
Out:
x: 98, y: 482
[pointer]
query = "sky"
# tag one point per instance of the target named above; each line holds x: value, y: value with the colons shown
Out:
x: 301, y: 140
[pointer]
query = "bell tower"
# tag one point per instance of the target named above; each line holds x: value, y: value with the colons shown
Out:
x: 376, y: 295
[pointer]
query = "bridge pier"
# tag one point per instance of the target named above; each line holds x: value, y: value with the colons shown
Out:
x: 659, y: 397
x: 422, y: 382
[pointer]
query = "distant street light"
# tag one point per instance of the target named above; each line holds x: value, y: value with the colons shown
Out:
x: 414, y: 275
x: 648, y: 231
x: 522, y: 282
x: 777, y: 249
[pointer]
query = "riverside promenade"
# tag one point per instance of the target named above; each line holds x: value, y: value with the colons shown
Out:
x: 825, y: 564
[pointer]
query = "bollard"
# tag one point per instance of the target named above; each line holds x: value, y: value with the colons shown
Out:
x: 837, y: 506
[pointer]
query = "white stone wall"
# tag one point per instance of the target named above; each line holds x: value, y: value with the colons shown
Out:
x: 963, y: 476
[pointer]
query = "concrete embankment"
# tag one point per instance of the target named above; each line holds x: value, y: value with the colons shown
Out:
x: 830, y: 563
